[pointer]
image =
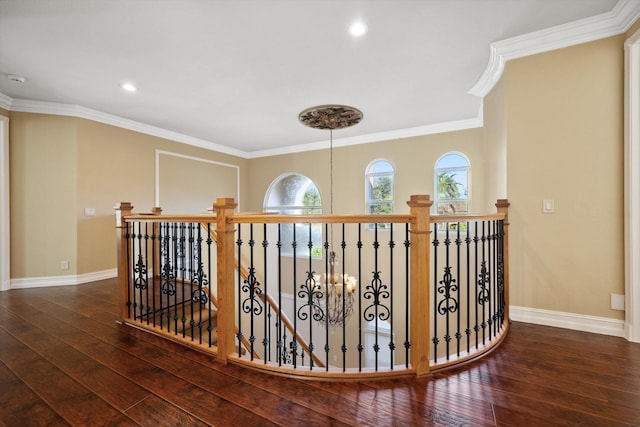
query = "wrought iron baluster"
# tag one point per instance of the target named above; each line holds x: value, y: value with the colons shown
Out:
x: 282, y: 332
x: 476, y: 326
x: 209, y: 305
x: 458, y: 244
x: 130, y: 246
x: 501, y: 305
x: 376, y: 291
x: 467, y: 242
x: 240, y: 335
x: 267, y: 329
x: 251, y: 304
x: 435, y: 244
x: 294, y: 344
x: 152, y: 307
x: 345, y: 295
x: 392, y: 345
x: 483, y: 279
x: 360, y: 343
x: 183, y: 280
x: 407, y: 343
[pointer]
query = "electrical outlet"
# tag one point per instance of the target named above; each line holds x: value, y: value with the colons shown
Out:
x: 64, y: 265
x: 89, y: 211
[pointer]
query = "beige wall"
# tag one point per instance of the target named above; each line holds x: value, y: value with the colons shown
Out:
x: 62, y: 165
x: 495, y: 146
x: 553, y: 128
x: 413, y: 159
x: 43, y: 187
x: 565, y: 142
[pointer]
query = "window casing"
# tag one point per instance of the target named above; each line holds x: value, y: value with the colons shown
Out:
x: 379, y: 190
x: 295, y: 194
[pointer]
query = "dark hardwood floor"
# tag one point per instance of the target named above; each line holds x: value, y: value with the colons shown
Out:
x: 65, y: 361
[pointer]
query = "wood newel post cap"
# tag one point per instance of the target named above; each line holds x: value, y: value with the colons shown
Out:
x: 502, y: 203
x: 123, y: 206
x: 224, y: 203
x: 122, y: 209
x: 157, y: 210
x: 420, y: 200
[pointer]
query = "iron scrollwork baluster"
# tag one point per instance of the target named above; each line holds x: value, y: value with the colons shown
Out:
x: 140, y: 270
x: 483, y: 280
x: 376, y: 290
x: 311, y: 292
x: 252, y: 303
x: 448, y: 284
x: 166, y: 271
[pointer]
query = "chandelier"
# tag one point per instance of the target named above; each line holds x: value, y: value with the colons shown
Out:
x: 333, y: 292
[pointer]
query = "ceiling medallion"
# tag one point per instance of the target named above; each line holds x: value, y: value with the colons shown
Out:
x: 330, y: 117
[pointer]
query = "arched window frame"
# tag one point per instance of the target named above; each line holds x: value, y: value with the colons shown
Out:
x: 461, y: 174
x: 295, y: 205
x: 375, y: 205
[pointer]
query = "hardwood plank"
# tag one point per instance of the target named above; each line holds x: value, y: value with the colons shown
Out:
x: 71, y: 400
x: 113, y: 388
x: 153, y: 412
x: 181, y: 393
x: 20, y: 406
x: 540, y: 376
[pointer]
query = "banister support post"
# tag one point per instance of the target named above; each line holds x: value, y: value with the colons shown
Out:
x: 419, y: 270
x: 122, y: 210
x: 224, y: 208
x: 502, y: 206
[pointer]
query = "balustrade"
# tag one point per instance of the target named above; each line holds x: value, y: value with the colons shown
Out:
x: 328, y: 296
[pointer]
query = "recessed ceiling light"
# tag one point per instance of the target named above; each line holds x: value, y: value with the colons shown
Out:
x: 129, y: 87
x: 358, y: 29
x: 17, y: 79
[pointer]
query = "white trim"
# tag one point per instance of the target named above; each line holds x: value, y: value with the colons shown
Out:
x: 41, y: 282
x: 5, y: 211
x: 612, y: 23
x: 433, y: 129
x: 41, y: 107
x: 198, y: 159
x: 632, y: 187
x: 28, y: 106
x: 559, y: 319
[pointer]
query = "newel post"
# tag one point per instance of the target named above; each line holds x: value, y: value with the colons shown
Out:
x: 122, y: 210
x: 503, y: 207
x: 224, y: 208
x: 419, y: 270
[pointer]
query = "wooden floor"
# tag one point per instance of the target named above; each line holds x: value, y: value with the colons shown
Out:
x: 64, y: 361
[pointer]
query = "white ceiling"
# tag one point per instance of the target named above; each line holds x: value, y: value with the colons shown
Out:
x: 235, y: 74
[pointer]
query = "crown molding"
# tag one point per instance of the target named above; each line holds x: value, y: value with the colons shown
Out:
x: 612, y: 23
x: 5, y: 101
x: 41, y: 107
x: 28, y: 106
x: 373, y: 137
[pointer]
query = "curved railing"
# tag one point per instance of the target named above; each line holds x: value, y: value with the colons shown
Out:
x: 408, y: 295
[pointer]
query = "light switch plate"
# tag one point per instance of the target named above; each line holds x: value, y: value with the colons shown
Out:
x: 548, y: 206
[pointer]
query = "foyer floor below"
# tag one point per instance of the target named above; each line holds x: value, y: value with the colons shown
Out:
x: 65, y: 361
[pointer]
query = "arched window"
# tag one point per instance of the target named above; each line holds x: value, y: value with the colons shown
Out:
x: 379, y: 189
x: 452, y: 184
x: 292, y: 194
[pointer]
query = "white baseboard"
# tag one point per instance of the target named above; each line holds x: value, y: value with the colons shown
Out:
x: 76, y: 279
x: 578, y: 322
